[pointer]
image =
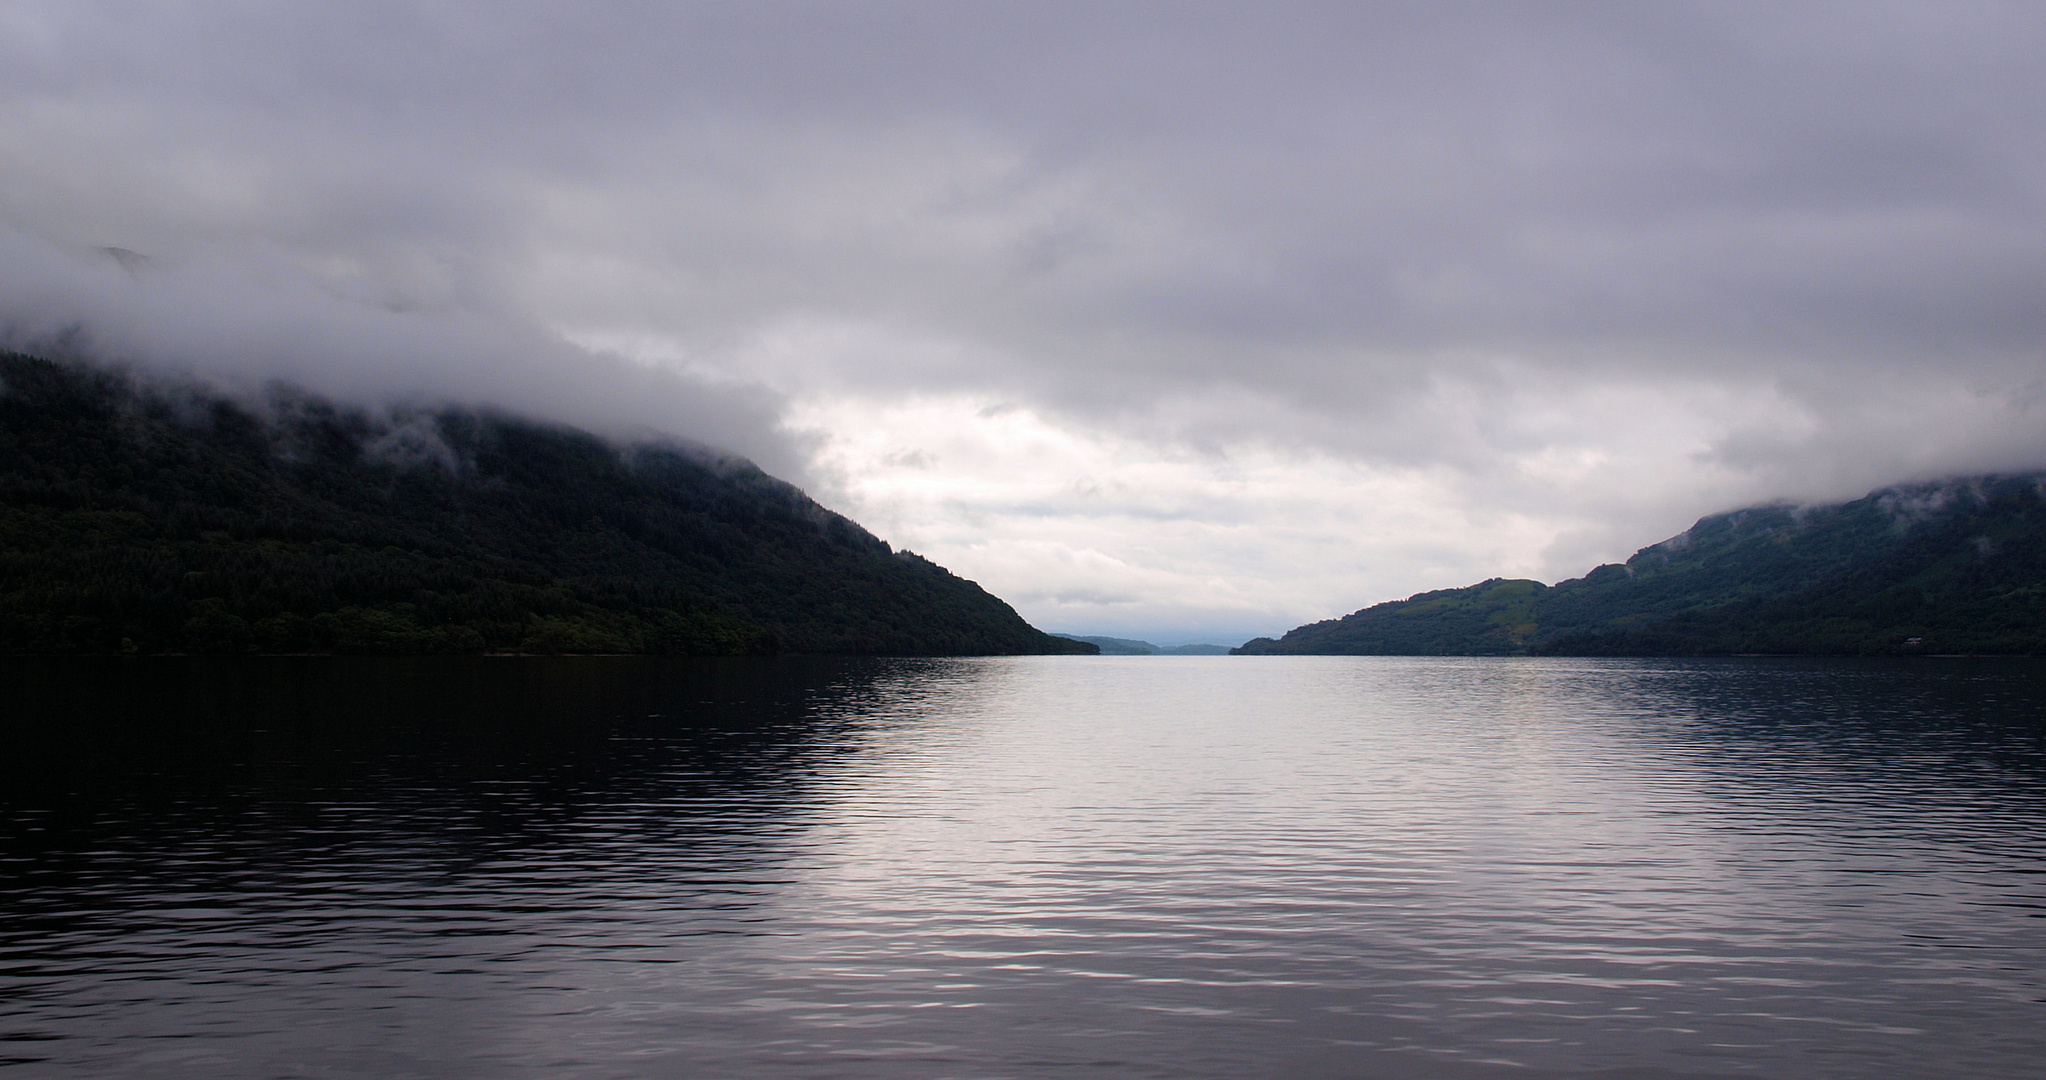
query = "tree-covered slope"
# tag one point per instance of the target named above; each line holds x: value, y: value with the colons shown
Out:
x: 1958, y: 566
x: 144, y: 520
x: 1492, y: 618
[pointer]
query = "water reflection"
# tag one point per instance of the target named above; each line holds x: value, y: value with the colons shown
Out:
x: 1107, y: 866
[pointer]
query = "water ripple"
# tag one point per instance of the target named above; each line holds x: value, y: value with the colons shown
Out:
x: 1174, y: 867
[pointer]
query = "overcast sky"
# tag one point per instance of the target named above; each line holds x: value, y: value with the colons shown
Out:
x: 1183, y: 321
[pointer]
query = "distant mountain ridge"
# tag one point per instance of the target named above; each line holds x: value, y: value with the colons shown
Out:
x: 1952, y: 566
x: 138, y: 519
x: 1115, y: 646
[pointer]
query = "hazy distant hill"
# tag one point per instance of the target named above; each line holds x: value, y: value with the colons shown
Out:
x: 137, y: 520
x: 1115, y: 646
x: 1958, y: 566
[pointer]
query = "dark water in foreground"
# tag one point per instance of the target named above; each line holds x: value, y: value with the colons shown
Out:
x: 1142, y: 867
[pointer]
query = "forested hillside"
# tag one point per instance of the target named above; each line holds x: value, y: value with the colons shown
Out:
x: 145, y: 519
x: 1957, y: 566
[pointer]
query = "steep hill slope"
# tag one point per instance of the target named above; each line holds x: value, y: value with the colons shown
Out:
x: 1958, y: 566
x: 141, y: 520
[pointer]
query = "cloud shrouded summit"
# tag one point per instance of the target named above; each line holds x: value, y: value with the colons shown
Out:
x: 1152, y: 318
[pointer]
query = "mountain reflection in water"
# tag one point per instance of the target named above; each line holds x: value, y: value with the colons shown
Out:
x: 1199, y: 866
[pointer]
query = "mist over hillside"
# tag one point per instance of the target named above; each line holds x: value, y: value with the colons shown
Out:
x: 238, y: 321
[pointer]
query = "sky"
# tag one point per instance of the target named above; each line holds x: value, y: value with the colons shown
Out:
x: 1181, y: 321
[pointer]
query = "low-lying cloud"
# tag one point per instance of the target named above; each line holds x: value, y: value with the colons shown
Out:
x: 245, y: 323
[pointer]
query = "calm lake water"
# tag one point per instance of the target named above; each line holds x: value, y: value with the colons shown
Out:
x: 1059, y: 866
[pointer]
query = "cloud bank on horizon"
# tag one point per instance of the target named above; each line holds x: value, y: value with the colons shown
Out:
x: 1162, y: 320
